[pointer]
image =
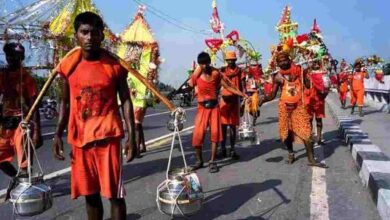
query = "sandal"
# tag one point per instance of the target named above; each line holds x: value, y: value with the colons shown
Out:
x: 318, y: 164
x: 321, y: 143
x: 291, y: 158
x: 197, y: 166
x: 213, y: 168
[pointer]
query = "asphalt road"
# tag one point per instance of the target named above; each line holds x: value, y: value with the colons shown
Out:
x: 258, y: 186
x: 154, y: 127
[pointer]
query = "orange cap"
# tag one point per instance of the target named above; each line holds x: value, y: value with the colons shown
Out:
x: 230, y: 55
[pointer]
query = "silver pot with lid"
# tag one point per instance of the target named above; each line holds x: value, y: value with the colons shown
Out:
x: 31, y: 196
x: 180, y: 194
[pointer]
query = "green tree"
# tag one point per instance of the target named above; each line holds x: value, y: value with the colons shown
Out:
x: 54, y: 87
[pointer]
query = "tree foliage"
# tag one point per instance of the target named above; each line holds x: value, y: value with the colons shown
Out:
x: 54, y: 88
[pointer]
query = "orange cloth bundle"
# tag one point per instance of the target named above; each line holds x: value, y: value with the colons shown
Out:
x: 252, y: 105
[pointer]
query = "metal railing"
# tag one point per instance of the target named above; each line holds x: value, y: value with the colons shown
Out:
x: 381, y: 96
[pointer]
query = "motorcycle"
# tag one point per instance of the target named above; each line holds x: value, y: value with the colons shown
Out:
x: 50, y: 109
x: 185, y: 99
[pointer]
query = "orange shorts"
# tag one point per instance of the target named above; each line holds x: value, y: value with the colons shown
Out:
x: 139, y: 114
x: 11, y: 145
x: 343, y: 95
x: 316, y: 110
x: 357, y: 97
x: 207, y: 118
x: 230, y: 111
x: 97, y: 168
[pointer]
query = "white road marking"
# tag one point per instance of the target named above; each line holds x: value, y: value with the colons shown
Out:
x: 146, y: 116
x: 319, y: 207
x: 162, y: 113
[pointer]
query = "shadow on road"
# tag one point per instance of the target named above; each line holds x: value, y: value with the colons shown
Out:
x: 216, y: 204
x: 270, y: 120
x: 148, y: 127
x: 332, y: 142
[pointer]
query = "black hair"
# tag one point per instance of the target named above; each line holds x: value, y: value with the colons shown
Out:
x: 14, y: 48
x: 88, y: 18
x: 204, y: 58
x: 283, y: 54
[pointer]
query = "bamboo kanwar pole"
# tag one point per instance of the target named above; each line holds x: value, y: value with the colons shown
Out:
x: 53, y: 74
x: 148, y: 84
x: 46, y: 86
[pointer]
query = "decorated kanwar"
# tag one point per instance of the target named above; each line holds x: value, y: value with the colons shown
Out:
x: 140, y: 49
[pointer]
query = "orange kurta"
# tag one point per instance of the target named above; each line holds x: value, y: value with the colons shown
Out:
x: 15, y: 87
x: 357, y: 91
x: 95, y: 127
x: 230, y: 103
x: 343, y: 86
x: 297, y: 120
x: 207, y: 90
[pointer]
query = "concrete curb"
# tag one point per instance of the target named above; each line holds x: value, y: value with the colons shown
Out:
x: 372, y: 164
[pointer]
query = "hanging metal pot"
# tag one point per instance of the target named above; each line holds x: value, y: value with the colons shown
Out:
x: 181, y: 194
x: 30, y: 198
x: 179, y: 118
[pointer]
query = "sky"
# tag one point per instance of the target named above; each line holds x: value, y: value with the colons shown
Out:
x: 351, y: 28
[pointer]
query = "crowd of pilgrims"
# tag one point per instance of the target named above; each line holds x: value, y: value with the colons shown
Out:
x: 90, y: 112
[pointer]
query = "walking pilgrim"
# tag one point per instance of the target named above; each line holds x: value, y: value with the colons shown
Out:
x: 230, y: 104
x: 18, y: 92
x: 342, y: 83
x: 92, y: 80
x: 294, y: 119
x: 357, y: 87
x: 208, y: 81
x: 315, y: 95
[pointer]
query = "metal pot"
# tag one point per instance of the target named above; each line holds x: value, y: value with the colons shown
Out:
x: 181, y: 194
x: 31, y: 198
x: 327, y: 81
x: 171, y: 125
x: 246, y: 132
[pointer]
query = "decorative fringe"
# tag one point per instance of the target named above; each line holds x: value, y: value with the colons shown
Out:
x: 252, y: 105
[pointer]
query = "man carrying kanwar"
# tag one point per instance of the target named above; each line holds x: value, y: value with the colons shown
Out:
x: 208, y: 81
x: 18, y: 92
x: 92, y: 80
x: 230, y: 104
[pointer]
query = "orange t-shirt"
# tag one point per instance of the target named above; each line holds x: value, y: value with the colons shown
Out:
x: 94, y: 111
x: 207, y: 90
x: 235, y: 76
x: 358, y: 80
x: 16, y: 87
